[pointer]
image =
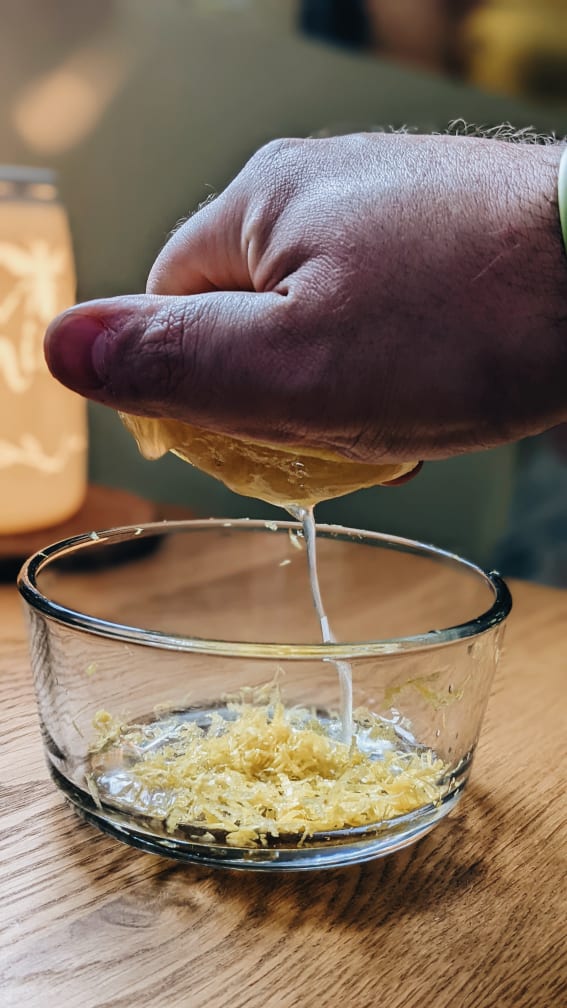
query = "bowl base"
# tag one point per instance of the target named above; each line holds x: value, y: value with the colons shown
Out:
x: 387, y: 838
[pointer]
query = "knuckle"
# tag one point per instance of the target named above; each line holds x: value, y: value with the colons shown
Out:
x: 271, y: 179
x: 174, y: 340
x: 277, y: 148
x: 279, y: 166
x: 150, y: 356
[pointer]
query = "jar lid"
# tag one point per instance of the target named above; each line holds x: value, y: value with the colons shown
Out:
x: 27, y: 174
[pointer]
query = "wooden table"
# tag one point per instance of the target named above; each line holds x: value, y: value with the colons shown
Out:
x: 472, y: 917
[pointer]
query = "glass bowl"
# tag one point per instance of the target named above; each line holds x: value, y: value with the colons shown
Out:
x: 143, y: 639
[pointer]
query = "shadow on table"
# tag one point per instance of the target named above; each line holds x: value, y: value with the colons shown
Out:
x: 454, y: 857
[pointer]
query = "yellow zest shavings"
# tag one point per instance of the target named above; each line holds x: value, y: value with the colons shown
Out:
x: 270, y: 772
x: 427, y: 687
x: 108, y: 730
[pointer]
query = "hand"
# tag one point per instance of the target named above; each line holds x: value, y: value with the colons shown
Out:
x: 384, y: 296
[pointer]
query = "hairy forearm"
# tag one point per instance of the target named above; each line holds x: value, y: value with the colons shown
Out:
x: 522, y: 287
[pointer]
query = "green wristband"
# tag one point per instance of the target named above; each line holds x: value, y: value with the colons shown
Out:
x: 562, y: 196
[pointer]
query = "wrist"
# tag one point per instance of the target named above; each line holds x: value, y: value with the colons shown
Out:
x: 537, y: 285
x: 562, y: 196
x: 529, y: 188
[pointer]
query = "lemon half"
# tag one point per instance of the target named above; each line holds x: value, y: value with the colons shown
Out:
x: 282, y: 475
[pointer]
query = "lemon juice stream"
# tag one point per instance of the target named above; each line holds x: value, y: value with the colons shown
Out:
x: 307, y: 519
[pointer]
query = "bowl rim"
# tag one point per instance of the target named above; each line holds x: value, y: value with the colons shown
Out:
x: 77, y: 620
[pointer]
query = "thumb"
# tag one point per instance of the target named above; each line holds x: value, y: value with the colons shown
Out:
x: 214, y: 359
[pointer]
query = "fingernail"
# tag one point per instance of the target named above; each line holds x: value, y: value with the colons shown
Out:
x: 407, y: 477
x: 74, y: 345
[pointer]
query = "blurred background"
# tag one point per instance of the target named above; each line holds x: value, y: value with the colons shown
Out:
x: 146, y: 107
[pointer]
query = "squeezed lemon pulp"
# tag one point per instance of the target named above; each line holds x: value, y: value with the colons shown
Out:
x: 283, y: 475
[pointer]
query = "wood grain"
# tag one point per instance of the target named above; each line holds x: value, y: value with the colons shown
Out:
x: 472, y: 917
x: 102, y: 508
